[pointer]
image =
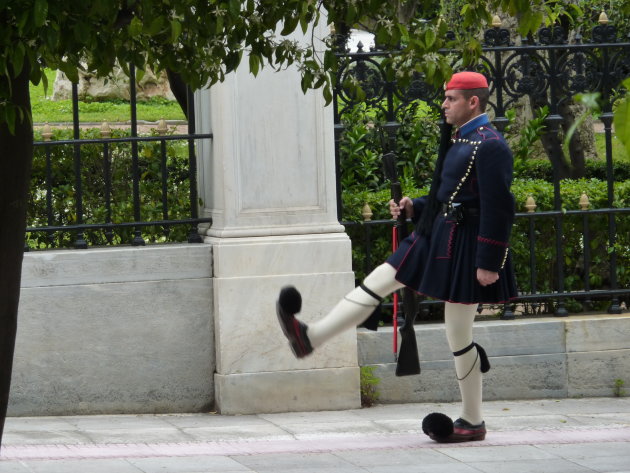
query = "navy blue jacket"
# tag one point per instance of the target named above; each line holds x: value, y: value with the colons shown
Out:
x: 477, y: 173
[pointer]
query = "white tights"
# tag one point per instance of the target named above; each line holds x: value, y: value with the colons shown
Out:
x: 357, y: 306
x: 458, y: 321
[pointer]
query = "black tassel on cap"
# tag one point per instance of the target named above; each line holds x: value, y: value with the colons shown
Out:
x: 437, y: 424
x: 290, y: 300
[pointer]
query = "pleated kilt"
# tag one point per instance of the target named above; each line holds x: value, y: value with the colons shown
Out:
x: 443, y: 266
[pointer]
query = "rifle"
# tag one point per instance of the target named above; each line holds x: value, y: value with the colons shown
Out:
x: 407, y: 362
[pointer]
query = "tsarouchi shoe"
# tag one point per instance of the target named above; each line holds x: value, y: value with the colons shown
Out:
x: 442, y: 429
x: 290, y: 303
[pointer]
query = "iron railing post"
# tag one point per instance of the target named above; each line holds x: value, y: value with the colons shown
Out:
x: 137, y: 233
x: 80, y: 240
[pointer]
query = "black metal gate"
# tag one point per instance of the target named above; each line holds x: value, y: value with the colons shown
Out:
x: 133, y: 185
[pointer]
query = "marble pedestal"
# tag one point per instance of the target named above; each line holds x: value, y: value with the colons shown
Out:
x: 256, y: 370
x: 267, y: 179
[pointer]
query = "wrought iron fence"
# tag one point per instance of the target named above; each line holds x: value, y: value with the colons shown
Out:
x: 549, y: 71
x: 106, y: 201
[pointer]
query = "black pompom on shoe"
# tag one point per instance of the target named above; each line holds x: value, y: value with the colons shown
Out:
x: 437, y: 425
x: 290, y: 300
x: 290, y: 303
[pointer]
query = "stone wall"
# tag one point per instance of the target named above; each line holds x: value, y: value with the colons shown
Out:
x: 531, y: 358
x: 117, y: 330
x: 132, y: 330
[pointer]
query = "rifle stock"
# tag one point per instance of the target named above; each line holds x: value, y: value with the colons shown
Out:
x: 408, y: 362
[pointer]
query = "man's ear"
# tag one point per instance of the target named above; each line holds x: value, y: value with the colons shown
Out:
x: 474, y: 102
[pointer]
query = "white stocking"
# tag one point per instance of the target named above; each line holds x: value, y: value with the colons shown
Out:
x: 355, y: 307
x: 458, y: 319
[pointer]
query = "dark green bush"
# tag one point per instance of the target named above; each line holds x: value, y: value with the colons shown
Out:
x: 364, y: 140
x: 573, y: 241
x: 63, y: 190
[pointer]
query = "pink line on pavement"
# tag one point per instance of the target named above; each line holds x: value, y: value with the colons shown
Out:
x: 315, y: 444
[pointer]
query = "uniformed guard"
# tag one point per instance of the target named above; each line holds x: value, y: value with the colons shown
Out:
x: 458, y: 253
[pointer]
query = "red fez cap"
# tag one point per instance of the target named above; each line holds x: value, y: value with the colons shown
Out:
x: 467, y: 80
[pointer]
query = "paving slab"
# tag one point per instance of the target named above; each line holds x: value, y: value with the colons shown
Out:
x: 545, y: 436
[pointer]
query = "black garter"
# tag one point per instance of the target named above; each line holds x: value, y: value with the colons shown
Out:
x: 481, y: 353
x: 372, y: 322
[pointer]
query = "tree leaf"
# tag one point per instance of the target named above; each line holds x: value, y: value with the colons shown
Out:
x: 254, y: 64
x: 40, y: 12
x: 135, y: 27
x: 289, y: 26
x: 429, y: 38
x: 18, y: 58
x: 176, y: 30
x: 235, y: 8
x: 329, y: 59
x: 140, y: 73
x: 156, y: 26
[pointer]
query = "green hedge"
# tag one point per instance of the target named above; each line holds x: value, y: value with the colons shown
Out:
x: 572, y: 239
x: 542, y: 192
x: 63, y: 189
x: 594, y: 169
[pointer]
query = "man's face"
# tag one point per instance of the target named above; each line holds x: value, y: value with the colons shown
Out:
x: 458, y: 109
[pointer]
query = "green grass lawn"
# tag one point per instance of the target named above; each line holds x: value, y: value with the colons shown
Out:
x: 47, y: 110
x: 618, y: 149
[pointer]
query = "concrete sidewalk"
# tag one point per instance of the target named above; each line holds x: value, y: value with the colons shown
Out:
x: 563, y: 436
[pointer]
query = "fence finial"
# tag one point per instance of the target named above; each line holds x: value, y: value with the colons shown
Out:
x: 584, y: 202
x: 603, y: 18
x: 530, y: 204
x: 366, y: 212
x: 106, y: 131
x: 47, y: 132
x: 161, y: 127
x: 496, y: 21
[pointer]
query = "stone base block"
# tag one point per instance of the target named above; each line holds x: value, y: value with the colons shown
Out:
x: 526, y: 377
x: 135, y: 347
x: 249, y: 338
x: 436, y: 383
x: 500, y: 338
x: 376, y: 347
x: 288, y: 391
x: 256, y: 370
x: 521, y: 337
x: 511, y: 377
x: 594, y: 373
x: 598, y: 333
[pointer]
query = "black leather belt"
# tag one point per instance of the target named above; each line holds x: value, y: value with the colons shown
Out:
x: 459, y: 212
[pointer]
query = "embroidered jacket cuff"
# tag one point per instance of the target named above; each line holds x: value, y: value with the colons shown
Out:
x: 491, y: 254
